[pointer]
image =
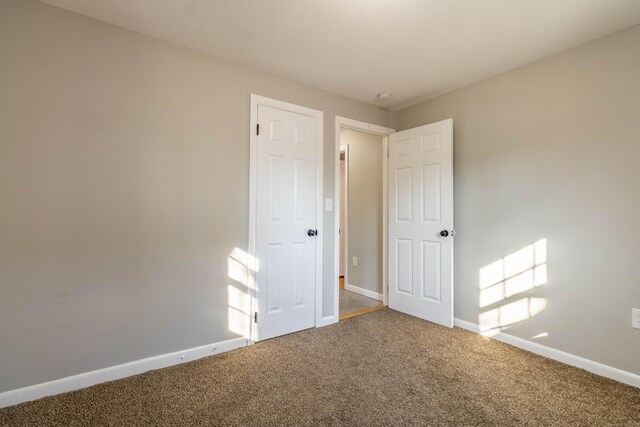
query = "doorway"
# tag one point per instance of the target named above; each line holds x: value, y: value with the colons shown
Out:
x: 361, y: 217
x: 417, y: 219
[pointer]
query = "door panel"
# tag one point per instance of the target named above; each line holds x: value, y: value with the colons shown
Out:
x: 286, y: 209
x: 404, y: 272
x: 431, y: 270
x: 405, y: 195
x: 420, y: 207
x: 431, y: 193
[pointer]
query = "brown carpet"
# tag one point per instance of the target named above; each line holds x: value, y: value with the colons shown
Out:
x: 382, y: 368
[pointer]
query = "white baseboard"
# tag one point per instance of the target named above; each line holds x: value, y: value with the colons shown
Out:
x: 363, y: 291
x: 326, y: 321
x: 551, y: 353
x: 86, y: 379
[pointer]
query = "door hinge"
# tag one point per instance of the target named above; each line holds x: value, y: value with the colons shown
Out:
x: 255, y: 316
x: 258, y: 129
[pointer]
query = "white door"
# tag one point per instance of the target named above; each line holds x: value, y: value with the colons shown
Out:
x: 285, y: 222
x: 421, y: 222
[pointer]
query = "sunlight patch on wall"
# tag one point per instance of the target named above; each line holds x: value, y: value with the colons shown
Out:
x: 241, y: 269
x: 239, y: 318
x: 516, y: 273
x: 540, y: 335
x: 508, y: 314
x: 247, y: 260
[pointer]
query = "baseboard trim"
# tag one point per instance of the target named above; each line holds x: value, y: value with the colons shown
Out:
x: 561, y: 356
x: 363, y: 291
x: 326, y: 321
x: 87, y: 379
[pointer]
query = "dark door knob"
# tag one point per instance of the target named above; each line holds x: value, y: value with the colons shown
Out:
x: 444, y: 233
x: 312, y: 233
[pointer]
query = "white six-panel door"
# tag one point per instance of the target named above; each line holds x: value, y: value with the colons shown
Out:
x: 285, y: 212
x: 420, y: 214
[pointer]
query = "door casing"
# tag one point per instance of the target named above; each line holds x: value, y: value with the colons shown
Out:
x: 346, y: 123
x: 343, y: 228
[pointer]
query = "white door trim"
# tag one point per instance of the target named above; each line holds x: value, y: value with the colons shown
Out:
x: 344, y: 228
x: 253, y: 168
x: 344, y: 122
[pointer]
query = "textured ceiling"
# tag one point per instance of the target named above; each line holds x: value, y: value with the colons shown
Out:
x: 415, y: 49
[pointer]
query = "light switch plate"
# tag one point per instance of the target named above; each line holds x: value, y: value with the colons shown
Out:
x: 328, y: 205
x: 635, y: 320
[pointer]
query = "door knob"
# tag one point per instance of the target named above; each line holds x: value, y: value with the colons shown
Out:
x: 444, y: 233
x: 312, y: 233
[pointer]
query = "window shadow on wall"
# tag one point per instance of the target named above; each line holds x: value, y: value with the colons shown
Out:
x: 241, y: 269
x: 504, y: 283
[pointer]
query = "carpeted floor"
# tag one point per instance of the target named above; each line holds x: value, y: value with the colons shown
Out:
x: 382, y: 368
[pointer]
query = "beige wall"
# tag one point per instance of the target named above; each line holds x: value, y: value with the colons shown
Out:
x: 365, y: 209
x: 551, y: 151
x: 124, y: 188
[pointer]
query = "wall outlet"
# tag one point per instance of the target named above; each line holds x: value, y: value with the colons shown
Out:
x: 635, y: 318
x: 355, y: 261
x: 328, y: 205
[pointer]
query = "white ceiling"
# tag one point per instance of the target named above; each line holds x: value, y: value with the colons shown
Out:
x: 415, y: 49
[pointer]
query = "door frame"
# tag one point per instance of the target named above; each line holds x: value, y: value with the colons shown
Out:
x: 347, y: 123
x: 343, y: 229
x: 253, y: 185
